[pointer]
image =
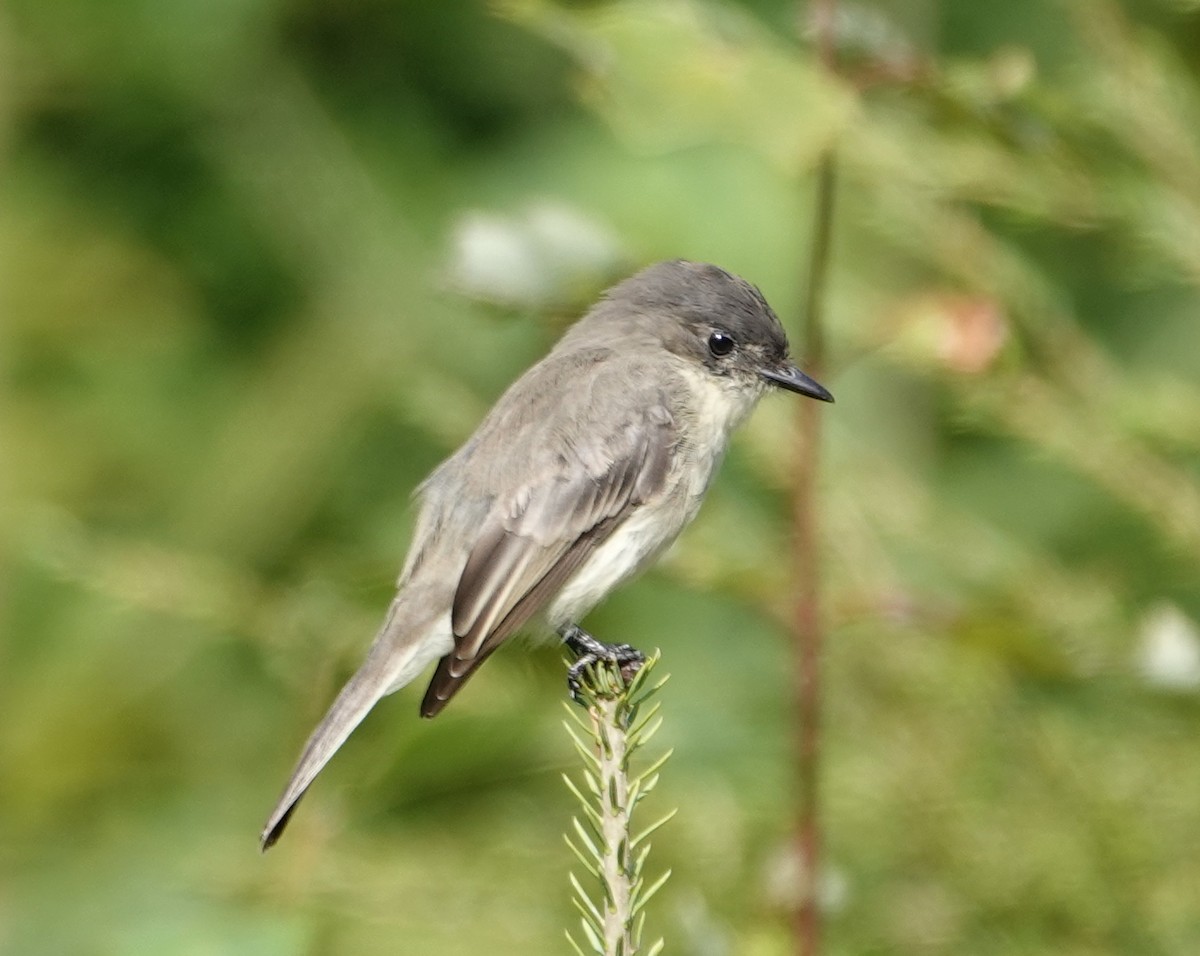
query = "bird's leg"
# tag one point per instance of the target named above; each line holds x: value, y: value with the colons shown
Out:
x: 589, y: 651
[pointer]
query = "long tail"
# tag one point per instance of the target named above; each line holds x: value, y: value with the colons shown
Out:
x: 398, y: 655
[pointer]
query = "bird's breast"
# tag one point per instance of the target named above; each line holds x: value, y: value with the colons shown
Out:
x: 637, y: 542
x: 704, y: 421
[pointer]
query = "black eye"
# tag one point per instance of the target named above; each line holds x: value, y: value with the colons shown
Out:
x: 720, y: 344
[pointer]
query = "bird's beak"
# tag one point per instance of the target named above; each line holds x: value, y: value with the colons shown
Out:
x: 794, y: 380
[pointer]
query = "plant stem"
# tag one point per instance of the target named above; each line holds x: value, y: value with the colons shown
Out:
x: 620, y: 721
x: 615, y: 809
x: 808, y: 635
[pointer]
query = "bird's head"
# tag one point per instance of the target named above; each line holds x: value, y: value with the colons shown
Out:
x: 716, y: 320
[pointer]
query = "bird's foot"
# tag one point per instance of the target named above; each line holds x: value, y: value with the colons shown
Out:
x: 589, y: 651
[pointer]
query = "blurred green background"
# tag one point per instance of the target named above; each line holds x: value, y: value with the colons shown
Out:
x: 265, y: 262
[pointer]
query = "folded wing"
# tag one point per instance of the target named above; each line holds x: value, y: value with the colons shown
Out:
x: 589, y: 471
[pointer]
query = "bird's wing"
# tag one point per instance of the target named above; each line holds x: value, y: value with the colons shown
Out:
x: 589, y: 470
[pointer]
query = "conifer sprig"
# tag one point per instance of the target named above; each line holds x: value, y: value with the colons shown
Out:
x: 619, y: 719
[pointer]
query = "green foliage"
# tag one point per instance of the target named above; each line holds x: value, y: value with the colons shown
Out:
x: 669, y: 74
x: 230, y: 347
x: 620, y: 721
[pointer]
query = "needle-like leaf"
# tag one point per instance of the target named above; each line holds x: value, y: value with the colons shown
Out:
x: 620, y: 717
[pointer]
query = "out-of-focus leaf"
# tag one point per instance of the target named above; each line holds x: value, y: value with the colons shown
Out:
x: 673, y: 73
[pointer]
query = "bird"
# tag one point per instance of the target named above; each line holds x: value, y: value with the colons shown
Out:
x: 583, y: 472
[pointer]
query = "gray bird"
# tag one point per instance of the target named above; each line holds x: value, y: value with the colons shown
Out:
x: 585, y: 470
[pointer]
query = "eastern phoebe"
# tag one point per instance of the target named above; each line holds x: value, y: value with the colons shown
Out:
x: 583, y: 472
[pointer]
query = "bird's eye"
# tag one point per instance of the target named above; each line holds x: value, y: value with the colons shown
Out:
x: 720, y: 344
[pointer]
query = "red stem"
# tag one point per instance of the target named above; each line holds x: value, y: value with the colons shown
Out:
x: 808, y: 633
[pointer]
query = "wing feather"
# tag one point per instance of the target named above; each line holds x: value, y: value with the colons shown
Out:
x: 534, y: 540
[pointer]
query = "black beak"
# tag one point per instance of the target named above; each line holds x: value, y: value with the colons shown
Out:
x: 794, y: 380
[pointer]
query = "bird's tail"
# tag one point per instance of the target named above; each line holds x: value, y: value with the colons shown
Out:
x: 399, y: 654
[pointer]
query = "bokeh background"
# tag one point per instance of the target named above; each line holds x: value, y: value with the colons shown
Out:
x: 265, y: 262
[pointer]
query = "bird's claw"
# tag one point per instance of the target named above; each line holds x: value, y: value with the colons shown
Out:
x: 588, y: 651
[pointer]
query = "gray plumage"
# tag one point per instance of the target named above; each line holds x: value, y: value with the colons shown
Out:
x: 582, y: 473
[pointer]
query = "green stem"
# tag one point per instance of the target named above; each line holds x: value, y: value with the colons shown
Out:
x: 617, y: 725
x: 615, y: 825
